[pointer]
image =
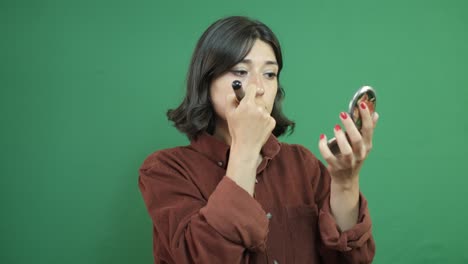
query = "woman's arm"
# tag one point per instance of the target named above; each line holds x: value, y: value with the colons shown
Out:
x: 344, y: 203
x: 341, y: 203
x: 356, y: 244
x: 344, y: 168
x: 192, y: 229
x: 250, y: 126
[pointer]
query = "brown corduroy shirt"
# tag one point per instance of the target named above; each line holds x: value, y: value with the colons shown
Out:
x: 201, y: 216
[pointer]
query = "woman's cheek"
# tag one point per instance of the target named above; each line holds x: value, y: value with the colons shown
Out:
x: 220, y: 109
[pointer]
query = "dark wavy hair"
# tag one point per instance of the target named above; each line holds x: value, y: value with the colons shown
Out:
x: 223, y: 45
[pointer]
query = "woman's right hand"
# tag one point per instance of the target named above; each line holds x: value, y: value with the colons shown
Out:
x: 250, y: 123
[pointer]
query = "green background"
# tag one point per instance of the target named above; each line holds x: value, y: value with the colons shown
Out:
x: 85, y: 86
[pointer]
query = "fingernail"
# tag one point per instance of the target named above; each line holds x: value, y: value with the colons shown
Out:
x: 343, y: 115
x: 337, y: 128
x: 363, y: 106
x: 322, y: 136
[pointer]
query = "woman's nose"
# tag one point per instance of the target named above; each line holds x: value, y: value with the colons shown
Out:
x: 260, y: 90
x: 257, y: 80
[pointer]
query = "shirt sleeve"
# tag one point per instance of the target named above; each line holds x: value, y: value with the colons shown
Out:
x: 195, y: 230
x: 355, y: 245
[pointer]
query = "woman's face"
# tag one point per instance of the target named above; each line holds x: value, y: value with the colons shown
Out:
x: 258, y: 68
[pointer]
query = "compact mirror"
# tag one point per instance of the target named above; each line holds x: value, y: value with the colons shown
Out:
x: 365, y: 94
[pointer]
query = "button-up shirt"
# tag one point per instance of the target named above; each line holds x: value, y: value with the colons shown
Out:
x: 201, y: 216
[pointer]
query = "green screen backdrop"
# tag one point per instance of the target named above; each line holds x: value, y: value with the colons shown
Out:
x: 84, y: 87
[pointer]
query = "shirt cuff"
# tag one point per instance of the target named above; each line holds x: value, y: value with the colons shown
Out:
x: 236, y: 215
x: 355, y: 237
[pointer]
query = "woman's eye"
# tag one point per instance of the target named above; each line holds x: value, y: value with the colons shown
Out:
x: 270, y: 75
x: 240, y: 73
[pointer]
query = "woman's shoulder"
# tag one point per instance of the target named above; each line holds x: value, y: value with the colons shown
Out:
x: 166, y: 157
x: 296, y: 148
x: 297, y: 151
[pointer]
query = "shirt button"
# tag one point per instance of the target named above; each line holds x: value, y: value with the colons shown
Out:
x: 275, y: 262
x: 256, y: 181
x: 269, y: 215
x: 220, y: 163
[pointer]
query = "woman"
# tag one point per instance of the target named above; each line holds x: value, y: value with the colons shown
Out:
x: 238, y: 195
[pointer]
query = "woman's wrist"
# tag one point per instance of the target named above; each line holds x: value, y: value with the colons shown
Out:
x: 245, y: 152
x: 242, y: 168
x: 346, y: 185
x: 243, y: 158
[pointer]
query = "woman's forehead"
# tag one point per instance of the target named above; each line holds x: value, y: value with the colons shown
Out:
x: 261, y: 52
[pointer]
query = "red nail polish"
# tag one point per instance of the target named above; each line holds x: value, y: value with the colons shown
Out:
x: 337, y: 128
x: 322, y: 136
x: 363, y: 105
x: 343, y: 115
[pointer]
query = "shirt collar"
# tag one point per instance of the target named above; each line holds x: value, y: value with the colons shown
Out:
x: 218, y: 151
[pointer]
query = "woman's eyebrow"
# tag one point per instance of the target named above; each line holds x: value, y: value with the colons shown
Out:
x: 268, y: 62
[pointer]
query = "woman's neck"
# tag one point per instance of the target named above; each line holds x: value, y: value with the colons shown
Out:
x: 221, y: 132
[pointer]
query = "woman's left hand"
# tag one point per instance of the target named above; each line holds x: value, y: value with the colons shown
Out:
x: 344, y: 168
